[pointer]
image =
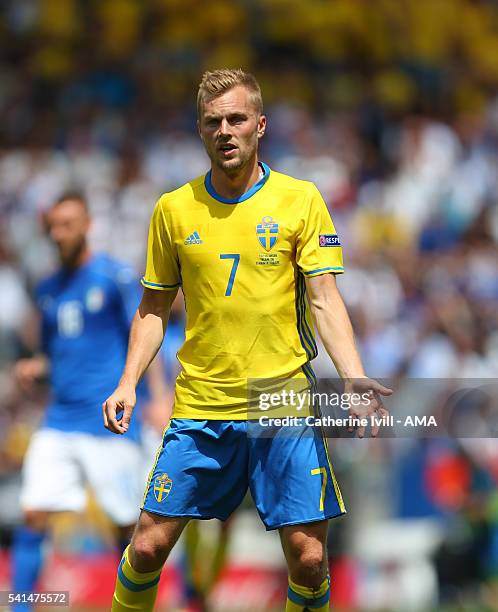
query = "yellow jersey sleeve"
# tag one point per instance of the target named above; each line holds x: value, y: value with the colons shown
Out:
x: 318, y: 249
x: 162, y: 271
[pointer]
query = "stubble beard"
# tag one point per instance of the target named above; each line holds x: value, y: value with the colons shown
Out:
x: 232, y: 166
x: 69, y: 258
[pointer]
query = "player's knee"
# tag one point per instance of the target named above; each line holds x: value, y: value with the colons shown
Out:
x: 308, y: 562
x: 36, y: 520
x: 147, y: 555
x: 312, y: 558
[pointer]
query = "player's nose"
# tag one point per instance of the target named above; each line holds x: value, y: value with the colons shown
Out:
x: 224, y: 127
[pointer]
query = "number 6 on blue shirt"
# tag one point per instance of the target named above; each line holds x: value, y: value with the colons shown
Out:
x: 236, y: 259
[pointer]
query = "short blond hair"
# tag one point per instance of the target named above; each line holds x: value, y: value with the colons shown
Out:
x: 217, y: 82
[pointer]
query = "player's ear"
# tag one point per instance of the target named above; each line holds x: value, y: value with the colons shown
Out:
x: 261, y: 126
x: 199, y: 127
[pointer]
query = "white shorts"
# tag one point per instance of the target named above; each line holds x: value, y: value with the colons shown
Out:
x: 59, y: 465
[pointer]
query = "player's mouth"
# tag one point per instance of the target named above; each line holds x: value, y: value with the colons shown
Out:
x: 227, y: 149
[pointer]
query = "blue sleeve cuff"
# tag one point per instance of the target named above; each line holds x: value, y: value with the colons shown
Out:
x: 159, y: 286
x: 334, y: 269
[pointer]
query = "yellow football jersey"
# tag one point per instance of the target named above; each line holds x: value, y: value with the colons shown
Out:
x: 241, y: 265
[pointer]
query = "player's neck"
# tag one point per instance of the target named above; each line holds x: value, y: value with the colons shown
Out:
x: 80, y: 259
x: 232, y: 186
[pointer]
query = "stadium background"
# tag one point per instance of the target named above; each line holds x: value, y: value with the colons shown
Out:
x: 391, y: 108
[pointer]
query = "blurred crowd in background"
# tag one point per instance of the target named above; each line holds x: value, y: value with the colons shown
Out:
x: 390, y: 107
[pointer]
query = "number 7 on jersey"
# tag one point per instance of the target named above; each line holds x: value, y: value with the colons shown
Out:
x: 236, y: 259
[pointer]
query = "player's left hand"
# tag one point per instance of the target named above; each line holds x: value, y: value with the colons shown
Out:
x: 122, y: 400
x: 373, y: 406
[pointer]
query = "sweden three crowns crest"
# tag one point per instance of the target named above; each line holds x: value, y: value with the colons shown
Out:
x: 267, y: 233
x: 162, y: 487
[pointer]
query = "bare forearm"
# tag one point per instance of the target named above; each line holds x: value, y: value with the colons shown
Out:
x: 337, y: 336
x: 334, y: 327
x: 146, y: 334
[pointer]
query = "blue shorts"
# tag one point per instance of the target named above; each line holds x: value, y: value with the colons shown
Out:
x: 203, y: 469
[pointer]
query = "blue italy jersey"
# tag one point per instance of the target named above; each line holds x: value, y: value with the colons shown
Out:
x: 86, y: 315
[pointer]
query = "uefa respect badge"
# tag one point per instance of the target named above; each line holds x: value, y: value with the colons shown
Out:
x: 329, y: 240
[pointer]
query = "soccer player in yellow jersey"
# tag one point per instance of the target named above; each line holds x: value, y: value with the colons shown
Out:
x: 255, y: 253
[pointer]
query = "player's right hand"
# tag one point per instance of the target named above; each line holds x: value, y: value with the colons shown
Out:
x: 122, y: 400
x: 28, y: 371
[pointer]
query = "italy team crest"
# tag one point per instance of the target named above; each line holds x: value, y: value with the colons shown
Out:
x: 94, y: 299
x: 267, y: 233
x: 162, y: 487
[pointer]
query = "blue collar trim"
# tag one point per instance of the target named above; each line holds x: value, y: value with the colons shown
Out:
x: 245, y: 196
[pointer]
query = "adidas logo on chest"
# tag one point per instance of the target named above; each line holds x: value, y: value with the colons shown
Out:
x: 194, y: 238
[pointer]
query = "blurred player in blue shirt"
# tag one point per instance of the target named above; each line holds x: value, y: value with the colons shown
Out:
x: 85, y: 309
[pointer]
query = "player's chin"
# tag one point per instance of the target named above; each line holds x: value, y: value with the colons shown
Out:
x: 67, y: 253
x: 230, y: 164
